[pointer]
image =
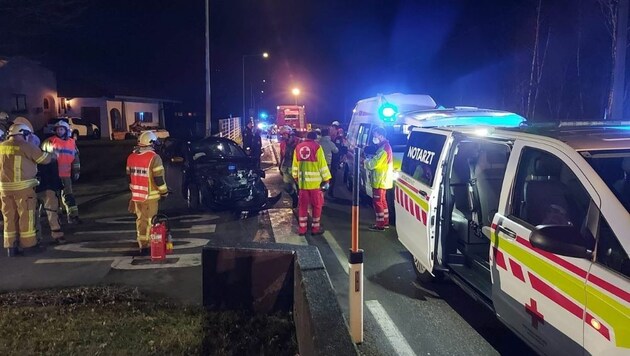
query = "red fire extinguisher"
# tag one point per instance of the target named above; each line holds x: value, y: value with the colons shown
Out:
x: 161, y: 240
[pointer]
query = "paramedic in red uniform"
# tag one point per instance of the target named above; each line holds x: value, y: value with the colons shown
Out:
x: 311, y: 173
x: 381, y: 179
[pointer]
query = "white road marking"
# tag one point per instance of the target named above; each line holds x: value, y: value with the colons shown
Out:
x: 396, y: 339
x: 341, y: 257
x: 74, y: 260
x: 195, y: 229
x: 127, y: 262
x: 127, y: 246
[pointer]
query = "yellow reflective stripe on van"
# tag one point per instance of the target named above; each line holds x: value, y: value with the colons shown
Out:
x: 414, y: 196
x: 611, y: 311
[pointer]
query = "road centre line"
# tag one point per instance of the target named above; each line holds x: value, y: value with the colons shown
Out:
x: 395, y: 337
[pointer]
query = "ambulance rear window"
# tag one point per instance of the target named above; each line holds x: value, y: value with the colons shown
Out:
x: 422, y: 155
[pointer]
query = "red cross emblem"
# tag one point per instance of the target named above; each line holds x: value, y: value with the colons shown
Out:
x: 532, y: 310
x: 305, y: 152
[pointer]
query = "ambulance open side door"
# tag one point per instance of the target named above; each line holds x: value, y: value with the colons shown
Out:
x: 417, y: 194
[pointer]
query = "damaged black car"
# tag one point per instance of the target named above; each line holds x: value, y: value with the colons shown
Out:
x: 217, y: 174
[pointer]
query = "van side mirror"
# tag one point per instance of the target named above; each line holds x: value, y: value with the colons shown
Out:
x: 565, y: 240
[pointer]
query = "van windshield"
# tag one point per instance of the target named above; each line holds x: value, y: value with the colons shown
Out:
x: 614, y: 169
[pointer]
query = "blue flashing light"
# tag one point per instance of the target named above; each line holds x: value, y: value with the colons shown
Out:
x: 509, y: 120
x: 387, y: 112
x: 263, y: 115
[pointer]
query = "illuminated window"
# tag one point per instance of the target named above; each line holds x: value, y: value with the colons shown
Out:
x: 144, y: 116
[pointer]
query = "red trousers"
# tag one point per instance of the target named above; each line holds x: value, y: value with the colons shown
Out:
x: 379, y: 199
x: 315, y: 199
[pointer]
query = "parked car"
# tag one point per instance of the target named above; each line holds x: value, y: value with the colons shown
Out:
x: 78, y: 127
x: 217, y: 174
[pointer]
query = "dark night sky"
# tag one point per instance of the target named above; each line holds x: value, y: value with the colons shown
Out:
x: 336, y: 51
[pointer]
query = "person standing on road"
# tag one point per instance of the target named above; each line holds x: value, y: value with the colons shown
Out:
x: 287, y: 149
x: 381, y: 179
x: 248, y: 137
x: 65, y: 148
x: 256, y: 148
x: 312, y: 175
x: 340, y: 143
x: 18, y: 167
x: 147, y: 185
x: 330, y: 150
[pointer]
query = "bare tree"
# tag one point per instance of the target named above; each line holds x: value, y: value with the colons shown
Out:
x: 537, y: 64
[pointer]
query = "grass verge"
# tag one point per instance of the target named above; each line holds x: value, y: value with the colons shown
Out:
x: 123, y: 321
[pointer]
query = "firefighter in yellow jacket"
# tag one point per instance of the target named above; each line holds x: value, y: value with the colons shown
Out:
x: 18, y: 167
x: 311, y: 173
x: 147, y: 184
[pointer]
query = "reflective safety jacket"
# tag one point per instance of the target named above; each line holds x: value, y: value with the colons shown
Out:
x: 146, y: 174
x: 309, y: 165
x: 67, y: 155
x: 382, y: 167
x: 18, y: 164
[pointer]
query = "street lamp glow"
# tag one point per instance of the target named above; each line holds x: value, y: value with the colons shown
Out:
x: 265, y: 55
x: 295, y: 91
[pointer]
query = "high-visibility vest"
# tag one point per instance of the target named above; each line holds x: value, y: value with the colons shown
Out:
x: 309, y: 165
x: 18, y: 164
x: 142, y: 172
x: 382, y: 167
x: 66, y: 151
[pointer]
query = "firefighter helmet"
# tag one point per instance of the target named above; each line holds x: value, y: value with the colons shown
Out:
x: 335, y: 123
x: 65, y: 125
x: 147, y: 138
x: 19, y: 129
x: 24, y: 121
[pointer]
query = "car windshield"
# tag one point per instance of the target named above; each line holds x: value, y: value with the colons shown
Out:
x: 214, y: 149
x: 614, y: 169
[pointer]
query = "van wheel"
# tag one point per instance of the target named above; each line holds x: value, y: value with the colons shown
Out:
x: 192, y: 197
x: 423, y: 275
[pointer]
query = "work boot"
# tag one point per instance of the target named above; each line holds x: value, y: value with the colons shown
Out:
x: 376, y: 228
x: 74, y: 220
x: 144, y: 251
x: 12, y: 251
x: 59, y: 240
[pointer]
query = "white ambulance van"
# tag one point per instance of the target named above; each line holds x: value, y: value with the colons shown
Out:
x: 533, y: 222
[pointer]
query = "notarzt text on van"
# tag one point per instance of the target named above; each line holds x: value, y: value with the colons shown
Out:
x: 422, y: 155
